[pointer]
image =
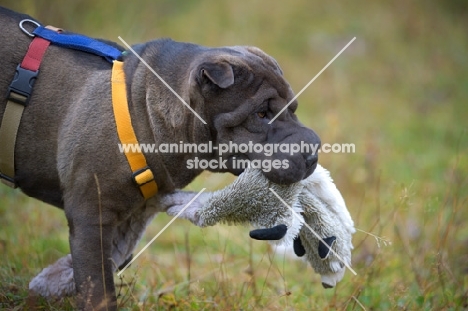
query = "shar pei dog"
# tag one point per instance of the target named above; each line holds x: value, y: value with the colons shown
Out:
x: 67, y: 147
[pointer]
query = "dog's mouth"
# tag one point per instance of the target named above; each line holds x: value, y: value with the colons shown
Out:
x: 237, y: 159
x: 283, y: 174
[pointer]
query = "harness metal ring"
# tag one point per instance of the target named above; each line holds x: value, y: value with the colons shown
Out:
x: 24, y: 29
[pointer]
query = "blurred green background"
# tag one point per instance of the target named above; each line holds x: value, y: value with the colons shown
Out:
x: 399, y: 93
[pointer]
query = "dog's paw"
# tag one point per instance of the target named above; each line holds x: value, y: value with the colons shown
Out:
x: 55, y: 281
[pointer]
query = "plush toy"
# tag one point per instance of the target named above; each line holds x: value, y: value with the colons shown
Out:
x: 310, y: 215
x: 317, y: 204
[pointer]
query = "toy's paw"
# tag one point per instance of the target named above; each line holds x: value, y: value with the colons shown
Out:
x: 329, y: 255
x: 178, y: 202
x: 270, y: 234
x: 299, y: 249
x: 281, y: 234
x: 324, y: 249
x: 329, y: 280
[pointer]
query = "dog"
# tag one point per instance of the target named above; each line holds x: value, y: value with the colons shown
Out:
x: 67, y: 148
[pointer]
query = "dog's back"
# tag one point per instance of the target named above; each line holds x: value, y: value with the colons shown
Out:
x: 64, y: 78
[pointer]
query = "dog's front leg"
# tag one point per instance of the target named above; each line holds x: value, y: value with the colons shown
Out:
x: 128, y: 234
x: 57, y: 280
x: 91, y: 233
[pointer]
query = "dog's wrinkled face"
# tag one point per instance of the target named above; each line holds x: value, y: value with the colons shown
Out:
x: 243, y: 89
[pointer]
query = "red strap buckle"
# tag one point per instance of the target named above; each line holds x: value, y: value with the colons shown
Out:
x: 21, y: 87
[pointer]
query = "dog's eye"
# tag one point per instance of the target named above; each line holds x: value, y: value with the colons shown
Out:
x: 261, y: 114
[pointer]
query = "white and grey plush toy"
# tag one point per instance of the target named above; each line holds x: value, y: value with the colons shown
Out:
x: 320, y: 226
x: 247, y: 200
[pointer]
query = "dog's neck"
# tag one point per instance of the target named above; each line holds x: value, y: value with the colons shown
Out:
x: 161, y: 118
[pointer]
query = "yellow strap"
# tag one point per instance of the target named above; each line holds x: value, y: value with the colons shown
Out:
x: 142, y: 174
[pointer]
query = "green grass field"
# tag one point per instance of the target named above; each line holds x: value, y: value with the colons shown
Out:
x: 399, y: 93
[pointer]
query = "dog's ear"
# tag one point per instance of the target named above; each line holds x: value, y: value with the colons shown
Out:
x: 219, y: 73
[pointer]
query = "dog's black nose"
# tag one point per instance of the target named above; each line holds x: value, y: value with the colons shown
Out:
x: 310, y: 159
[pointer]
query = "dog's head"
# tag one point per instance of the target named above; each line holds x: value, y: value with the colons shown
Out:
x: 237, y: 91
x: 242, y: 90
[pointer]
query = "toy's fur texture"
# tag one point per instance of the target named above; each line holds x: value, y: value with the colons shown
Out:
x: 316, y: 200
x: 325, y: 212
x: 248, y: 200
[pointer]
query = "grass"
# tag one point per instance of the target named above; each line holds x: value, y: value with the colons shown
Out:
x: 398, y: 93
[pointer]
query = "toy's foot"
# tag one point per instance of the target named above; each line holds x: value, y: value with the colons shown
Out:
x: 270, y: 234
x: 299, y: 249
x: 329, y: 280
x: 324, y: 250
x: 325, y: 285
